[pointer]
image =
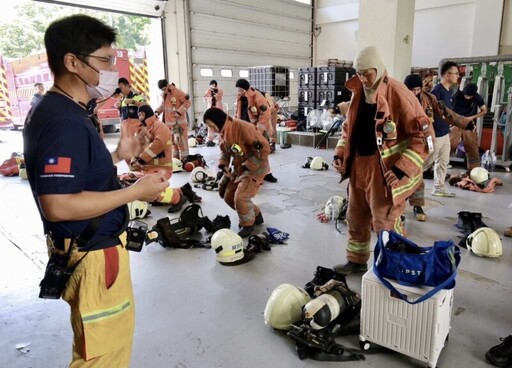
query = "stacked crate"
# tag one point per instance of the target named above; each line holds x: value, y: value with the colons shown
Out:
x: 322, y: 88
x: 272, y: 79
x: 307, y: 92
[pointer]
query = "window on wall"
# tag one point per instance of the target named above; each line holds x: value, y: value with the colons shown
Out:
x: 206, y: 72
x: 226, y: 73
x: 244, y: 73
x: 292, y: 76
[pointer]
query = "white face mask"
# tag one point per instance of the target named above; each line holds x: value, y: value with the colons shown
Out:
x: 107, y: 85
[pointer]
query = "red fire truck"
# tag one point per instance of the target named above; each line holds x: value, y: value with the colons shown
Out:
x: 17, y: 79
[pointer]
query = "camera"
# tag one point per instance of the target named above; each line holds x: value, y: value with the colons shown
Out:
x: 55, y: 277
x: 136, y: 233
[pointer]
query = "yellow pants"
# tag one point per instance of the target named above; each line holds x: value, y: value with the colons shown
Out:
x: 102, y: 309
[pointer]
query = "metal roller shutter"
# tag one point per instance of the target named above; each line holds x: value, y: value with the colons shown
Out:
x: 236, y: 34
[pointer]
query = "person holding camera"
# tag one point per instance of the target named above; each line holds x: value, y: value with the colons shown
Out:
x: 243, y: 165
x: 213, y: 98
x: 174, y: 106
x: 83, y: 210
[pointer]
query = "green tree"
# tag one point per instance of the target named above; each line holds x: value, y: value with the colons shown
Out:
x: 23, y: 34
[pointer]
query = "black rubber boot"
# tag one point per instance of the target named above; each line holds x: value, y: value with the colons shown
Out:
x: 178, y: 206
x: 246, y: 231
x: 350, y: 268
x: 464, y: 223
x: 189, y: 193
x: 270, y: 178
x: 419, y: 214
x: 501, y: 355
x: 476, y: 220
x: 259, y: 219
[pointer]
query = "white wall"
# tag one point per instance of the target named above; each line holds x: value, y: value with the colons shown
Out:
x: 506, y: 31
x: 442, y: 28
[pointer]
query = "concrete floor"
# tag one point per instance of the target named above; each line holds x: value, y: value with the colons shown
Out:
x: 195, y: 313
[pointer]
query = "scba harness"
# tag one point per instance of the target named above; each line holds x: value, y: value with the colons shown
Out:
x: 315, y: 334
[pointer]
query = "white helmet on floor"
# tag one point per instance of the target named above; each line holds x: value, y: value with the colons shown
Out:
x: 199, y: 175
x: 177, y: 165
x: 138, y: 209
x: 284, y: 306
x: 485, y: 242
x: 480, y: 176
x: 318, y: 163
x: 229, y: 248
x: 333, y: 207
x: 192, y: 142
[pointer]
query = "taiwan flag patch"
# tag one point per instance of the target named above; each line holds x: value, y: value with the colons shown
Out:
x: 58, y: 165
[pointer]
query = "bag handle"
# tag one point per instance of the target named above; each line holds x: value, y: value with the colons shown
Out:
x: 424, y: 297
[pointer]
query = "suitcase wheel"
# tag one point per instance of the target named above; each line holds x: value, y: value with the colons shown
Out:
x: 365, y: 345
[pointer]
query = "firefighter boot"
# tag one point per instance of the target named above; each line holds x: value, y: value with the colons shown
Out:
x: 350, y: 268
x: 419, y: 214
x: 464, y: 223
x: 246, y: 231
x: 270, y: 178
x: 476, y: 220
x: 190, y: 194
x: 259, y: 219
x: 177, y: 206
x: 501, y: 355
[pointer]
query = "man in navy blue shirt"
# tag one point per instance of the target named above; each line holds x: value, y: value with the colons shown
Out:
x: 71, y: 174
x: 38, y: 96
x: 468, y: 103
x: 441, y: 155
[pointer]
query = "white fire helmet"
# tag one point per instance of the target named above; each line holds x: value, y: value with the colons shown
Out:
x: 485, y: 242
x: 177, y: 165
x: 333, y: 207
x: 199, y: 175
x: 138, y: 209
x: 229, y: 248
x: 480, y: 176
x: 284, y: 306
x: 192, y: 142
x: 322, y: 310
x: 318, y: 163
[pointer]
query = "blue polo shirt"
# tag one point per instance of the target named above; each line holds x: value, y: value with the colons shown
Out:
x: 65, y: 155
x: 442, y: 94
